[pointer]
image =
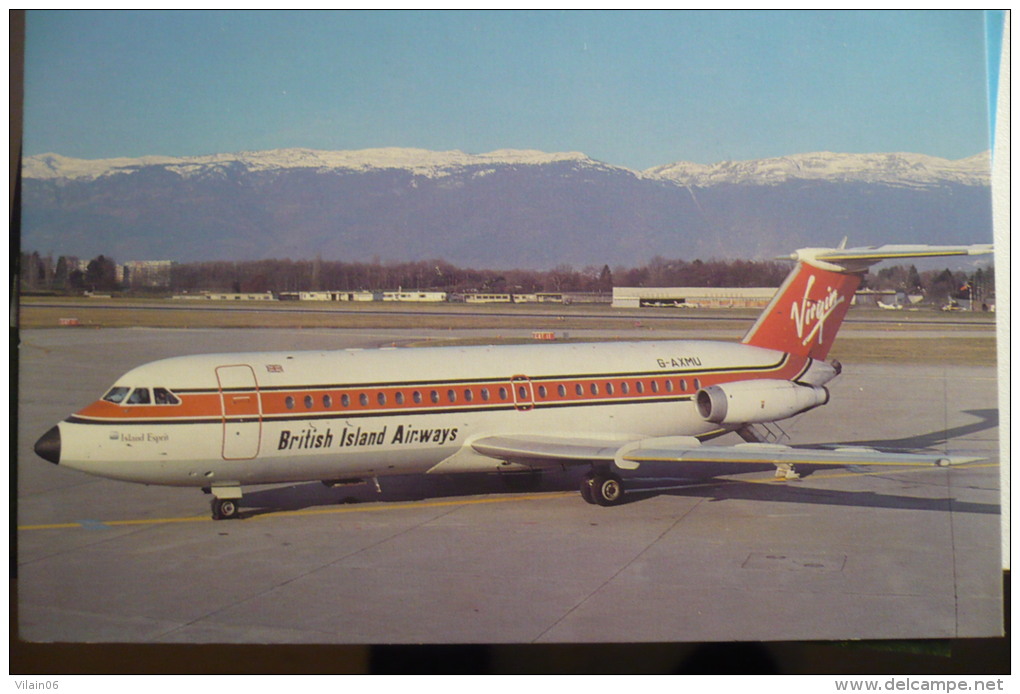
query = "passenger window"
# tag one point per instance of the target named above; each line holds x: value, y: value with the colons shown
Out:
x: 434, y: 397
x: 609, y: 389
x: 327, y: 401
x: 345, y: 400
x: 697, y: 384
x: 503, y: 393
x: 669, y: 386
x: 363, y: 399
x: 468, y: 395
x: 116, y: 395
x: 416, y: 396
x: 562, y: 390
x: 140, y: 396
x: 399, y: 397
x: 308, y: 402
x: 542, y: 392
x: 451, y: 395
x: 579, y: 389
x: 655, y: 386
x: 683, y: 384
x: 289, y: 402
x: 594, y: 388
x: 381, y: 397
x: 163, y: 396
x: 624, y: 387
x: 485, y: 393
x: 640, y: 386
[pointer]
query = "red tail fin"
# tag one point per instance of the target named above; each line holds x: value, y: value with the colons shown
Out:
x: 805, y: 314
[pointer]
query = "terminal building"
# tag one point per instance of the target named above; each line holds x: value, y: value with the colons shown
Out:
x: 692, y: 297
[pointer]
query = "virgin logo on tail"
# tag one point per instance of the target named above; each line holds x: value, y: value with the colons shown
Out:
x: 810, y: 312
x: 798, y: 323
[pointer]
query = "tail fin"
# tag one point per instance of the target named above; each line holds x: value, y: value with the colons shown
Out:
x: 805, y: 314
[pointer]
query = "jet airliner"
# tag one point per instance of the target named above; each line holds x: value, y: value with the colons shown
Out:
x: 220, y: 422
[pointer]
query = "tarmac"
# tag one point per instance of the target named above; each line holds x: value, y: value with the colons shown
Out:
x: 719, y: 555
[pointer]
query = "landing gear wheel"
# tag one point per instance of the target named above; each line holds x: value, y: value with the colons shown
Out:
x: 607, y: 490
x: 586, y: 489
x: 224, y: 509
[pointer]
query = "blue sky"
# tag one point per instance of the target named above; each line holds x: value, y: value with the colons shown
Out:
x: 634, y: 89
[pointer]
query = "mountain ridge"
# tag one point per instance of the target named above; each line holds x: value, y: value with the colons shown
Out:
x: 507, y: 208
x: 894, y: 167
x: 418, y: 161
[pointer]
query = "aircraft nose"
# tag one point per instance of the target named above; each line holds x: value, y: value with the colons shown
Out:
x: 48, y: 446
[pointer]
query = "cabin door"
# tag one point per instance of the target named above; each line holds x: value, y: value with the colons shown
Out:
x: 242, y: 411
x: 524, y: 393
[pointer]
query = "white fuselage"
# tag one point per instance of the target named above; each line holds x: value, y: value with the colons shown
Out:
x: 250, y: 418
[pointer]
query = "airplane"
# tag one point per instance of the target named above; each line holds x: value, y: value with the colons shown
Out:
x: 220, y: 422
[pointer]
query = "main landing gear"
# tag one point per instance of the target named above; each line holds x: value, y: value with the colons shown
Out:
x: 604, y: 489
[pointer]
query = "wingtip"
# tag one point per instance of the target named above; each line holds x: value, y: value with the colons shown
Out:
x: 952, y: 460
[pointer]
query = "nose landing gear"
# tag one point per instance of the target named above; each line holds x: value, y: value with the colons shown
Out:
x: 226, y: 503
x: 224, y: 509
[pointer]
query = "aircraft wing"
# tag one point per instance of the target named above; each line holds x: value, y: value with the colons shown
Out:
x: 549, y: 451
x: 775, y: 454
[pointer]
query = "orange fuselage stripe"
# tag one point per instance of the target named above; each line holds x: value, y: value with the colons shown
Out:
x: 423, y: 399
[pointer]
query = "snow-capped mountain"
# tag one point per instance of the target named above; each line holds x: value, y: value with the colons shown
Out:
x: 508, y: 208
x: 419, y: 162
x: 890, y: 169
x: 901, y: 169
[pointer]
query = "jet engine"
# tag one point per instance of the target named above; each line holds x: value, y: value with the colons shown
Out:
x: 745, y: 402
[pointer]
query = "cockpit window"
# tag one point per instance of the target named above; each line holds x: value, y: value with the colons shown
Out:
x: 164, y: 397
x: 116, y: 394
x: 139, y: 396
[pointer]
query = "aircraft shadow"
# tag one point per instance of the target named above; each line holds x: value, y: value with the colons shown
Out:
x: 987, y: 419
x: 410, y: 488
x: 698, y: 480
x: 406, y: 488
x: 792, y: 492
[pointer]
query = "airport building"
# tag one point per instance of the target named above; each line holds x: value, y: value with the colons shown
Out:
x: 400, y: 295
x: 423, y: 297
x: 405, y: 296
x: 692, y: 297
x: 211, y: 296
x: 145, y: 273
x: 534, y: 298
x: 329, y: 296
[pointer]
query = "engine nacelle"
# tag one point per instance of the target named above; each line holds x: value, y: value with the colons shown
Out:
x: 745, y: 402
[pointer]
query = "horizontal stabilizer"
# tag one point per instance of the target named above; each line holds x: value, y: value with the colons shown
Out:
x: 857, y: 259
